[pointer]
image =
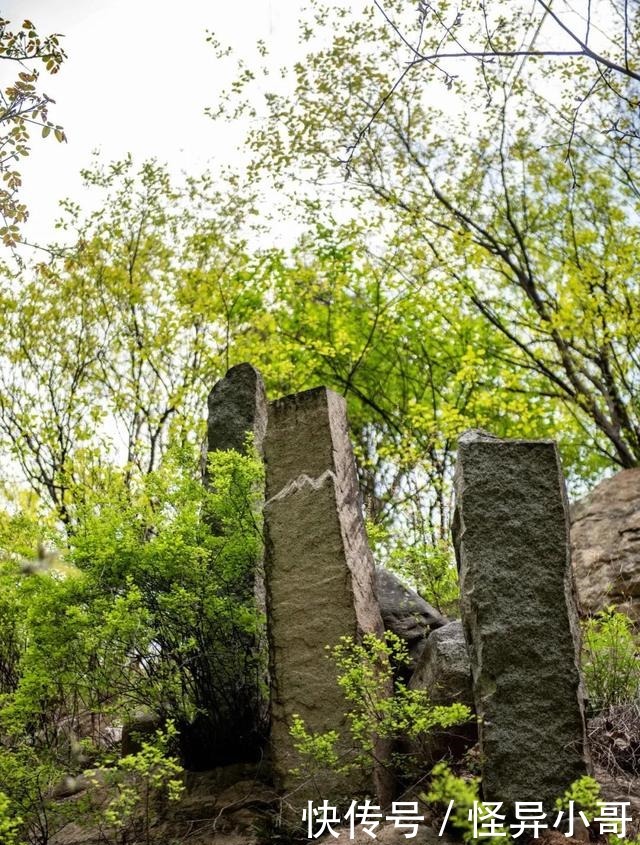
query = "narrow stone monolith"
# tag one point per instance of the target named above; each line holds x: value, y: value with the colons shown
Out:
x: 319, y: 574
x: 238, y: 409
x: 230, y: 725
x: 518, y: 610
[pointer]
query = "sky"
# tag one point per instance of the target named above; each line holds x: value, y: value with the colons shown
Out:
x: 138, y: 77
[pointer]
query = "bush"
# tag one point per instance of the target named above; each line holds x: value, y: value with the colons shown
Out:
x: 141, y: 782
x: 609, y: 664
x: 150, y: 608
x: 446, y: 787
x: 433, y: 570
x: 378, y: 708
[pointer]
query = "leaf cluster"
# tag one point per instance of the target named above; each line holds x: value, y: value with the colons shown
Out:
x: 22, y: 106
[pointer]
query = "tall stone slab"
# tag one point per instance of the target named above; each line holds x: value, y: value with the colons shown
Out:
x: 231, y: 723
x: 319, y: 572
x: 517, y: 600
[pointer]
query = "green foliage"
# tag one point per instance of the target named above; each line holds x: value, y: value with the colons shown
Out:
x: 140, y: 781
x: 320, y: 749
x: 445, y: 787
x: 150, y: 607
x: 9, y: 824
x: 508, y: 240
x: 110, y: 349
x: 432, y: 569
x: 586, y: 795
x: 609, y: 660
x: 377, y: 708
x: 23, y: 106
x: 27, y: 780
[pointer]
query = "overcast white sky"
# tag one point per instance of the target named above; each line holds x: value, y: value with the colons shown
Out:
x: 138, y: 78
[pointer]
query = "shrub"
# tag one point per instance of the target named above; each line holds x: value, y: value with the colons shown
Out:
x: 609, y: 663
x: 141, y: 781
x: 378, y: 708
x: 446, y: 787
x: 585, y: 794
x: 151, y: 608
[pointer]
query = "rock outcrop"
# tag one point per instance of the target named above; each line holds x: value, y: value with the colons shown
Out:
x: 405, y: 612
x: 319, y: 573
x: 605, y: 545
x: 444, y: 669
x: 237, y: 406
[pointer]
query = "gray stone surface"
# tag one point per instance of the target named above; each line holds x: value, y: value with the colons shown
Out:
x: 237, y: 405
x: 405, y: 612
x: 605, y: 544
x: 512, y: 546
x: 319, y: 572
x: 444, y: 669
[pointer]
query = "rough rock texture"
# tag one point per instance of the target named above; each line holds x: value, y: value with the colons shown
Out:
x: 605, y: 544
x: 226, y: 806
x: 512, y: 546
x: 405, y: 612
x: 237, y: 405
x: 319, y: 570
x: 444, y: 669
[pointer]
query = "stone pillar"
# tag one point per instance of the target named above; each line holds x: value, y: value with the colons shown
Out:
x: 237, y: 406
x: 319, y: 572
x: 231, y: 724
x: 518, y: 610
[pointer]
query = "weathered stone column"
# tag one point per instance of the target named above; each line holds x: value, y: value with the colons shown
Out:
x: 518, y: 610
x: 237, y: 406
x: 319, y: 572
x: 231, y: 724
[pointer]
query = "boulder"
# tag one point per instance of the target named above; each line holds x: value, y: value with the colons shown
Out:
x: 405, y: 613
x: 444, y: 671
x: 443, y: 668
x: 605, y: 545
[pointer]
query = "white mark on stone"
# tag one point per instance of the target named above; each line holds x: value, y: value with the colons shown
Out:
x: 303, y: 481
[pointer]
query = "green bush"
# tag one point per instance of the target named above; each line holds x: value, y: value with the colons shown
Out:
x: 150, y: 607
x: 432, y: 568
x: 583, y: 794
x: 377, y: 708
x: 445, y: 787
x: 140, y: 782
x: 609, y: 663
